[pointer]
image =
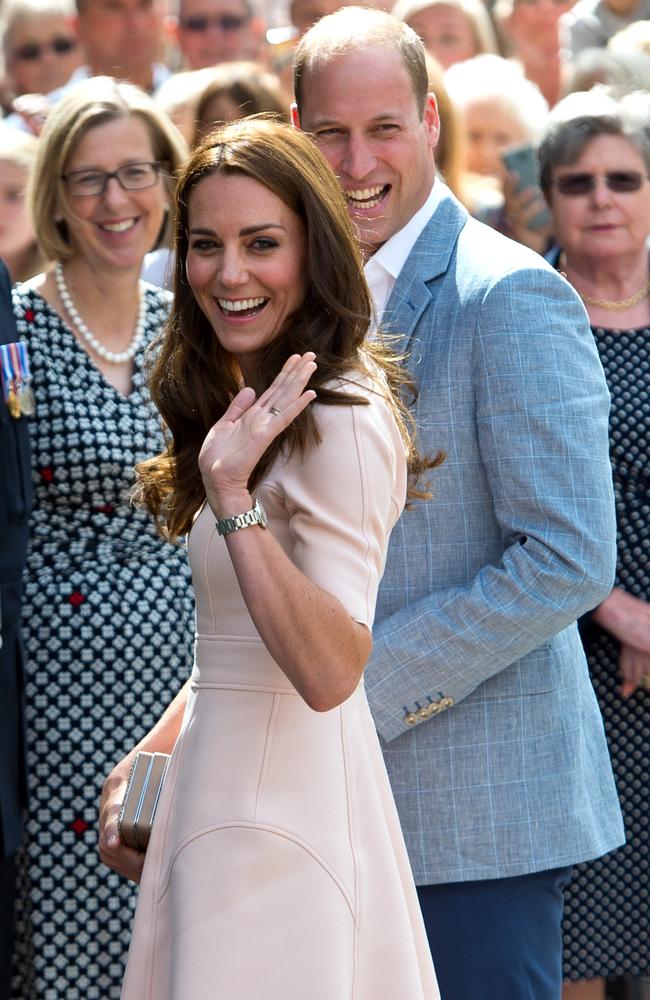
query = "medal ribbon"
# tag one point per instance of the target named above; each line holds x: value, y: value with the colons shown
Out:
x: 7, y: 371
x: 24, y: 361
x: 18, y: 368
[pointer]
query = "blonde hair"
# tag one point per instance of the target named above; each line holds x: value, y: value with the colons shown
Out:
x: 20, y: 149
x: 89, y: 104
x: 474, y: 10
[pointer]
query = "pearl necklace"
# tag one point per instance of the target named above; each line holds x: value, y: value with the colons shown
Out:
x: 111, y: 356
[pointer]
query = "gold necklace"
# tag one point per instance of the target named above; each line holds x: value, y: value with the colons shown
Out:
x: 612, y: 305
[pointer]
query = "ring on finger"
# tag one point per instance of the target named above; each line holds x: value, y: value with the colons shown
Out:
x: 275, y: 411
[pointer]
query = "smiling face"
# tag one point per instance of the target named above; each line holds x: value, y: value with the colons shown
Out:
x: 42, y: 53
x: 603, y: 224
x: 245, y: 264
x: 115, y: 229
x: 447, y: 33
x: 362, y: 110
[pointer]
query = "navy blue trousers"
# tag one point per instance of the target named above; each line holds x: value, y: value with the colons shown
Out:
x: 500, y: 939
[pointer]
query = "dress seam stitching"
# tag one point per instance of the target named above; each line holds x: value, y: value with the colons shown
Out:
x: 264, y: 828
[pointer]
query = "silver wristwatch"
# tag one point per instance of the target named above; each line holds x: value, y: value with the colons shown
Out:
x: 256, y: 515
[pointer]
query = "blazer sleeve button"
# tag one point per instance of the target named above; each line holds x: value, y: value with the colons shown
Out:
x: 423, y: 713
x: 410, y: 718
x: 446, y: 702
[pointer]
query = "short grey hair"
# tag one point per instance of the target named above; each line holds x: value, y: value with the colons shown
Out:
x: 584, y: 116
x: 18, y: 11
x: 474, y: 10
x: 491, y: 77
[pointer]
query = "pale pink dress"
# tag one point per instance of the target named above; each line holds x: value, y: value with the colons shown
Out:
x: 277, y: 868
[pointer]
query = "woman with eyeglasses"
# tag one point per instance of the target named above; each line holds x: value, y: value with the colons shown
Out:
x: 108, y: 613
x: 41, y: 46
x: 594, y: 164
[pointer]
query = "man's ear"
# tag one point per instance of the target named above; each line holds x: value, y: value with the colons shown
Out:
x: 432, y: 120
x: 295, y: 117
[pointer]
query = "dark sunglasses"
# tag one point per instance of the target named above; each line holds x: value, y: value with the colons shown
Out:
x: 34, y: 50
x: 620, y: 181
x: 201, y: 22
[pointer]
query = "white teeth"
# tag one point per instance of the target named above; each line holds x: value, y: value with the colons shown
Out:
x: 238, y: 305
x: 369, y: 197
x: 118, y: 227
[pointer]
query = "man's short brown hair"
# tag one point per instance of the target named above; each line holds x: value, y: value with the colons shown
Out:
x: 353, y: 29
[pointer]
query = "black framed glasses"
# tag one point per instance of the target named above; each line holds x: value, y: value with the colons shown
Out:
x: 203, y: 22
x: 31, y: 51
x: 620, y: 181
x: 131, y: 177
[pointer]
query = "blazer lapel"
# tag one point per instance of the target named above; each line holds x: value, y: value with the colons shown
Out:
x: 416, y: 288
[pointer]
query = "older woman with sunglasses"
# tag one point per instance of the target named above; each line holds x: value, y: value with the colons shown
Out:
x: 595, y: 162
x: 108, y: 613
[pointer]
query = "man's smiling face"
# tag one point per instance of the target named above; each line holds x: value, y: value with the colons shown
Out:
x: 362, y: 110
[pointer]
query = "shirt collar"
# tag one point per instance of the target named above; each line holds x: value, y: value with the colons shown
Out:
x: 392, y: 255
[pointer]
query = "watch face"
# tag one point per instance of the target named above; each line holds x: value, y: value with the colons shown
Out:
x: 262, y: 514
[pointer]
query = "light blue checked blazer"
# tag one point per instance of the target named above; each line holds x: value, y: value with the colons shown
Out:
x: 478, y: 684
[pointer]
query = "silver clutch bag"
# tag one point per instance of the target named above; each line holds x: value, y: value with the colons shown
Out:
x: 141, y: 798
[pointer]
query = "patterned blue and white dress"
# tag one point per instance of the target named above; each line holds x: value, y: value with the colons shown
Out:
x: 109, y: 628
x: 607, y: 913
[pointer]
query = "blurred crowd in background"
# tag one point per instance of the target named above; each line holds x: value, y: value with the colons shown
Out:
x: 496, y: 70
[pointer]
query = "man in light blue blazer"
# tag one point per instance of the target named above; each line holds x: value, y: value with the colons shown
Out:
x: 478, y: 683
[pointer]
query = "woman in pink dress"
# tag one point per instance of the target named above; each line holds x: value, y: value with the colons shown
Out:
x: 276, y: 866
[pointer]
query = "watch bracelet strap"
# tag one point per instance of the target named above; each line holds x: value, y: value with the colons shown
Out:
x: 226, y: 525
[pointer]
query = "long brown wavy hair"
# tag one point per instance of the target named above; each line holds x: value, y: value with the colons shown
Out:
x: 193, y: 379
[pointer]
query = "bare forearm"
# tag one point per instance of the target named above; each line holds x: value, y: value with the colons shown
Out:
x: 125, y: 860
x: 626, y: 617
x: 162, y: 737
x: 307, y: 631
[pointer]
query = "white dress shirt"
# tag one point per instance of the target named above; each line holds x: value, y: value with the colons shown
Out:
x: 383, y: 268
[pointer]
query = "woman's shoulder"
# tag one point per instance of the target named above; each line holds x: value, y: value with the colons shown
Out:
x: 157, y: 305
x: 367, y: 382
x: 367, y: 424
x: 156, y: 297
x: 30, y: 306
x: 360, y: 450
x: 28, y: 289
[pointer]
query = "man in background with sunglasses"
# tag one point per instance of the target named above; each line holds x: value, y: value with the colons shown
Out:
x: 120, y: 38
x: 210, y: 32
x: 41, y: 46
